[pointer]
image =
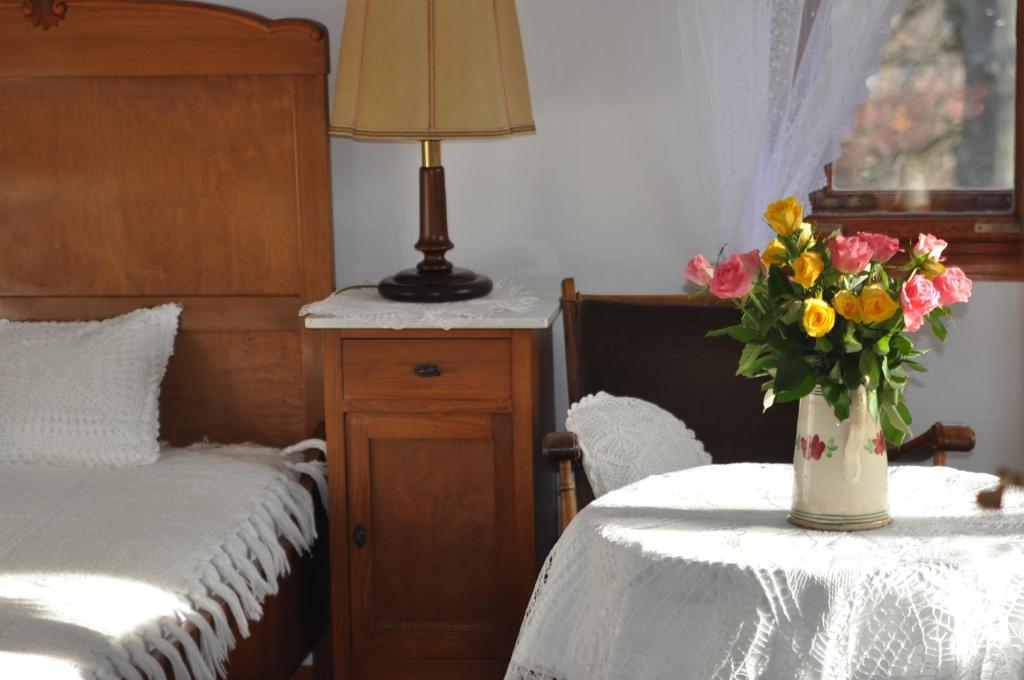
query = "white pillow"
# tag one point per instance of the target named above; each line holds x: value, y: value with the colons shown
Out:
x: 625, y: 440
x: 84, y: 393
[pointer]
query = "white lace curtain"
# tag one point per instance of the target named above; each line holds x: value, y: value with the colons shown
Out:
x: 772, y: 85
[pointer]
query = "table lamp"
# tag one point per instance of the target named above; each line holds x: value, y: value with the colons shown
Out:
x: 431, y: 70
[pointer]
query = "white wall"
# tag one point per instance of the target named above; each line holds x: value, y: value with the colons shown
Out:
x: 606, y: 192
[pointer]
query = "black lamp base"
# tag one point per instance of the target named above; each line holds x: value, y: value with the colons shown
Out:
x: 411, y: 285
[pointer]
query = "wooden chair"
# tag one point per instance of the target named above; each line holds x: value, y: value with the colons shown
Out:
x: 653, y: 347
x: 992, y: 499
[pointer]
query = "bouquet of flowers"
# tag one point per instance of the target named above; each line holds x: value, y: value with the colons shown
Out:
x: 833, y: 312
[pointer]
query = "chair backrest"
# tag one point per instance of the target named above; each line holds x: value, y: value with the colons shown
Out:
x: 655, y: 348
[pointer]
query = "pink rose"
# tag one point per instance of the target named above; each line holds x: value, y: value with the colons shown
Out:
x: 752, y: 261
x: 953, y: 286
x: 699, y: 271
x: 732, y: 279
x: 929, y: 246
x: 882, y: 247
x: 850, y: 254
x: 917, y: 298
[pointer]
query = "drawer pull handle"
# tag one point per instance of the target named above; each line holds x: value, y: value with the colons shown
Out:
x: 359, y: 536
x: 427, y: 370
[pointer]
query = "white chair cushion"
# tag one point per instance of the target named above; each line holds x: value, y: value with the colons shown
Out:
x: 625, y: 440
x: 84, y: 393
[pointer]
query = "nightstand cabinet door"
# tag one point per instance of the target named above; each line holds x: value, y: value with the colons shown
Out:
x: 432, y: 533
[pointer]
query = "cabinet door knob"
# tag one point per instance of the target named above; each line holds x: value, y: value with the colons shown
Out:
x: 359, y: 536
x: 427, y: 370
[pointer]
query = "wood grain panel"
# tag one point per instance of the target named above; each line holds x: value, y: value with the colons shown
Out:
x: 187, y: 190
x: 384, y: 369
x: 198, y: 313
x: 430, y: 669
x: 121, y: 37
x: 231, y: 386
x: 437, y: 494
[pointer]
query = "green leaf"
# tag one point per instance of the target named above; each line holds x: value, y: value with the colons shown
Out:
x: 869, y: 368
x: 831, y: 391
x: 841, y: 408
x: 742, y: 334
x: 882, y: 346
x: 768, y: 320
x: 895, y: 419
x: 794, y: 311
x: 873, y: 405
x: 915, y: 366
x: 794, y: 379
x: 748, y: 360
x: 778, y: 285
x: 938, y: 327
x: 851, y: 374
x: 904, y: 412
x: 823, y: 345
x: 783, y: 347
x: 902, y: 344
x: 836, y: 374
x: 739, y: 332
x: 892, y: 434
x: 886, y: 373
x: 850, y: 342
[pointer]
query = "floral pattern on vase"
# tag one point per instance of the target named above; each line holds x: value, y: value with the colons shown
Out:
x: 813, y: 448
x: 876, y: 445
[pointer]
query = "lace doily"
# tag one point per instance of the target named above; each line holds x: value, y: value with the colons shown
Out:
x: 625, y: 439
x: 697, y: 575
x: 368, y: 309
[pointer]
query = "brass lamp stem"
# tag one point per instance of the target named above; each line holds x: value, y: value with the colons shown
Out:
x: 431, y: 153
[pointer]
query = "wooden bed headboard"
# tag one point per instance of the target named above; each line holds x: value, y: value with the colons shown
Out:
x: 159, y: 151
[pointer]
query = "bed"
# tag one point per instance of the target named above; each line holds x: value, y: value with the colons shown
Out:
x: 168, y: 151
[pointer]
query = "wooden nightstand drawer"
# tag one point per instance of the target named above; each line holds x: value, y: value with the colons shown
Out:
x: 426, y: 369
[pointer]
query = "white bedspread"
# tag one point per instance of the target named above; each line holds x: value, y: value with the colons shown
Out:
x: 100, y: 565
x: 697, y: 575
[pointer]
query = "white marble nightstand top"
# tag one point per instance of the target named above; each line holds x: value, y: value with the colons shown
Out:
x: 510, y: 305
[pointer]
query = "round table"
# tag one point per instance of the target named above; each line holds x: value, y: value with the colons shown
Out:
x: 697, y: 574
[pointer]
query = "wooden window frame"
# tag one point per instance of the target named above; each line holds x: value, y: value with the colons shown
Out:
x: 983, y: 228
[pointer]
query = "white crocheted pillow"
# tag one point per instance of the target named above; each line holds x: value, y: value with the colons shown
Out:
x: 625, y: 440
x: 84, y: 393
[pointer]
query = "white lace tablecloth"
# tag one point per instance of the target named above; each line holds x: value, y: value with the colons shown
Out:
x: 696, y: 574
x: 509, y: 305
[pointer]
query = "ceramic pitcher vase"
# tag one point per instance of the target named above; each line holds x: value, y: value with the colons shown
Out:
x: 841, y: 468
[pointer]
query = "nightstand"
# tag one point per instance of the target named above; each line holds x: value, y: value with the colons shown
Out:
x: 433, y: 460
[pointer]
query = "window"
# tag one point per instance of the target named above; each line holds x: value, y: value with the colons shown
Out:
x: 936, y: 145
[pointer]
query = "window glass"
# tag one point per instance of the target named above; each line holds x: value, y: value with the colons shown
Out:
x: 940, y: 115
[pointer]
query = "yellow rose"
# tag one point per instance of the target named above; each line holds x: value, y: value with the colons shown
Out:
x: 847, y: 305
x: 876, y: 304
x: 807, y: 269
x: 775, y: 253
x: 785, y: 216
x: 819, y: 317
x: 806, y: 235
x: 932, y: 268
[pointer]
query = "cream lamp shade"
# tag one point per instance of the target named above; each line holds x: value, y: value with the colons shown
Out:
x: 431, y: 70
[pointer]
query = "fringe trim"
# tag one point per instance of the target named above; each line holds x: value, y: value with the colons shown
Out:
x: 242, y: 571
